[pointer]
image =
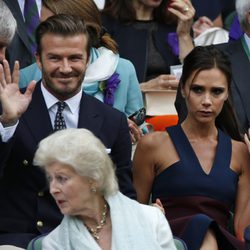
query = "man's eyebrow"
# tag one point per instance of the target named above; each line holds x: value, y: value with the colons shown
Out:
x: 51, y: 53
x: 77, y: 55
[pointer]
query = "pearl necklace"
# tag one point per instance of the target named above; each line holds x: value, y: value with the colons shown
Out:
x: 95, y: 231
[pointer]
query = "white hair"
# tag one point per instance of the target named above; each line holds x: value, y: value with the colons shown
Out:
x: 242, y: 8
x: 7, y: 23
x: 84, y: 152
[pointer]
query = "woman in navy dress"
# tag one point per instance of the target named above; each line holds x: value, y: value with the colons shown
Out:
x: 199, y: 169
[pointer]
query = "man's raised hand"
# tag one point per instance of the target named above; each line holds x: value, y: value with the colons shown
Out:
x: 13, y: 102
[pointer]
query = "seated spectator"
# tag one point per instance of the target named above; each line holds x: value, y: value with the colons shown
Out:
x: 56, y: 102
x: 109, y: 78
x: 199, y: 169
x: 238, y: 53
x: 96, y: 215
x: 154, y: 35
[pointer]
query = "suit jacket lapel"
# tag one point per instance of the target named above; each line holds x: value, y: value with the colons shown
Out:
x: 89, y: 116
x: 38, y: 120
x: 15, y: 9
x: 37, y: 116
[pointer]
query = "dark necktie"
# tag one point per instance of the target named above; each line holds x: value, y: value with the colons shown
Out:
x: 31, y: 17
x: 59, y: 119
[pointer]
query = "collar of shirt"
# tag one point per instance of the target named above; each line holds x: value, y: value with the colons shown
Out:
x: 247, y: 39
x: 50, y: 100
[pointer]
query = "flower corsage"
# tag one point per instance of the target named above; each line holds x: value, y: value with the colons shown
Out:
x: 109, y: 87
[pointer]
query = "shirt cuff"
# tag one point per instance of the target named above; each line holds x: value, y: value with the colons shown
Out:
x: 7, y: 132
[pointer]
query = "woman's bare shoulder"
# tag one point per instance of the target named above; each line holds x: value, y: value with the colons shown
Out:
x: 240, y: 155
x: 154, y: 139
x: 239, y: 147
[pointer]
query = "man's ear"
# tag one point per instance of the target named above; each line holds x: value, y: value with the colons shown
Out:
x: 38, y: 60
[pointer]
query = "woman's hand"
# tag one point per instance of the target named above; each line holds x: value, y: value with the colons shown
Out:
x: 184, y: 11
x: 135, y: 131
x: 159, y: 205
x: 14, y: 103
x: 202, y: 24
x: 162, y: 82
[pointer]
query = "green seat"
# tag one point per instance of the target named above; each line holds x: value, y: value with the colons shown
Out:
x: 180, y: 244
x: 36, y: 243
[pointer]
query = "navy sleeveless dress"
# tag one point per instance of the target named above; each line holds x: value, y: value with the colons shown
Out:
x: 195, y: 201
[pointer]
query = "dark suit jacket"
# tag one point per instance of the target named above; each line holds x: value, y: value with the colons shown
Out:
x: 133, y: 44
x: 240, y: 81
x: 19, y: 48
x: 240, y: 85
x: 24, y: 197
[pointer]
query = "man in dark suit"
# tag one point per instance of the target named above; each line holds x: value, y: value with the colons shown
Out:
x: 20, y: 48
x: 239, y: 54
x: 240, y: 80
x: 27, y: 209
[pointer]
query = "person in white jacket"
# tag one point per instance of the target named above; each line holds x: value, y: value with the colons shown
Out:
x: 96, y: 215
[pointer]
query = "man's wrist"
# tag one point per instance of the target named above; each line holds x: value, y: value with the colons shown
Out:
x: 7, y: 122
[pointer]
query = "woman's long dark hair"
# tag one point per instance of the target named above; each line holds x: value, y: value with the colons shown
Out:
x: 209, y: 57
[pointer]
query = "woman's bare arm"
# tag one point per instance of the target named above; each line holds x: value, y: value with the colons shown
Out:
x: 143, y: 168
x: 242, y: 205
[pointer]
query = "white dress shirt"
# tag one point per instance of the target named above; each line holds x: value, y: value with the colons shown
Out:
x: 70, y: 112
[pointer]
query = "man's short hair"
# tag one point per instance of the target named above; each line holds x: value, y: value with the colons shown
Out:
x: 64, y: 25
x: 7, y: 24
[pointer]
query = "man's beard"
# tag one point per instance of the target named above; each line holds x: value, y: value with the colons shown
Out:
x: 64, y: 93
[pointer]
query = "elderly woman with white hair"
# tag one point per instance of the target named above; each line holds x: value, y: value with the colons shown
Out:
x: 96, y: 215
